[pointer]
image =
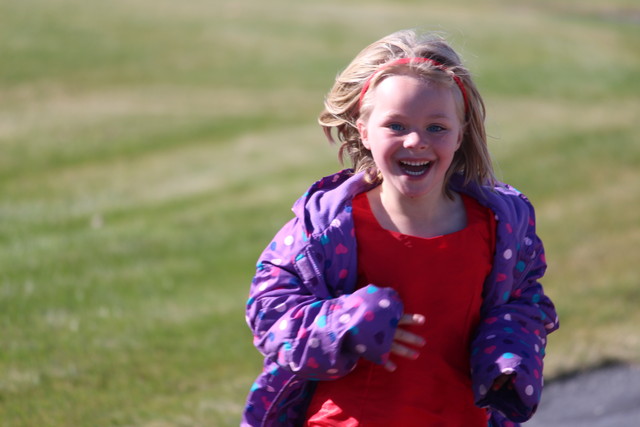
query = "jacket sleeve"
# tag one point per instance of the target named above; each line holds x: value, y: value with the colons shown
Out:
x: 299, y: 321
x: 511, y: 338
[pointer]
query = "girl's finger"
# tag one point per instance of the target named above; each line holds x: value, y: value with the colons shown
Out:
x: 411, y: 319
x: 390, y: 366
x: 408, y: 337
x: 404, y: 351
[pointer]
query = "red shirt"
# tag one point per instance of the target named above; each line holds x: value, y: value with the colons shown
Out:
x: 441, y: 278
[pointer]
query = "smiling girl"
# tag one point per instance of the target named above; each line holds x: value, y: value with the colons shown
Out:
x: 405, y: 291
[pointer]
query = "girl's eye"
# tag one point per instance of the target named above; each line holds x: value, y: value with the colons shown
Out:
x: 396, y: 127
x: 435, y: 128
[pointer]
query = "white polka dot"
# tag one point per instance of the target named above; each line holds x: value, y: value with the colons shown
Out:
x: 528, y: 390
x: 384, y: 303
x: 508, y: 254
x: 276, y: 261
x: 281, y: 307
x: 262, y: 286
x: 332, y: 371
x: 336, y: 223
x: 507, y: 317
x: 537, y: 348
x: 490, y: 337
x: 528, y: 241
x: 283, y: 324
x: 314, y: 342
x: 482, y: 389
x: 345, y: 318
x: 361, y: 348
x: 288, y: 240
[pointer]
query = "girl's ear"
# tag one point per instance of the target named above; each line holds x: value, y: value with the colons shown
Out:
x: 362, y: 130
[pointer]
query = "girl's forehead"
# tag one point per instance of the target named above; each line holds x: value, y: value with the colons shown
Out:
x: 407, y: 93
x: 408, y: 89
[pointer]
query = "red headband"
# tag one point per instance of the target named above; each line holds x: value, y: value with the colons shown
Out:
x: 401, y: 61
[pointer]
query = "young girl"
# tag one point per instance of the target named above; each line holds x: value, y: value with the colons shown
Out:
x: 405, y: 291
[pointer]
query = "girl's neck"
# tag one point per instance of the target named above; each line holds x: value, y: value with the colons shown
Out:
x: 428, y: 216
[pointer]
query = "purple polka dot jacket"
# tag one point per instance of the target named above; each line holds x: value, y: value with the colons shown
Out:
x: 312, y: 324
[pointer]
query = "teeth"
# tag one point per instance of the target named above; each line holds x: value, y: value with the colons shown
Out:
x: 410, y: 167
x: 415, y: 163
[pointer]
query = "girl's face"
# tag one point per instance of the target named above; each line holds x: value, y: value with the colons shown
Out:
x: 413, y: 132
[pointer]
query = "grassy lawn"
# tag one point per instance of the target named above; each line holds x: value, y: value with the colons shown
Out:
x: 149, y: 150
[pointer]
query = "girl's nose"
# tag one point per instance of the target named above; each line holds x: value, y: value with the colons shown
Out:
x: 415, y: 140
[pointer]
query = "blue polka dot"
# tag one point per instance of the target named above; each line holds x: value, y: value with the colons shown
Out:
x: 508, y: 356
x: 354, y: 330
x: 273, y: 246
x: 316, y: 304
x: 372, y: 289
x: 526, y: 344
x: 321, y: 321
x: 347, y: 209
x: 505, y: 296
x: 250, y: 300
x: 332, y: 337
x: 520, y: 266
x: 536, y: 298
x: 271, y: 336
x: 294, y: 281
x: 508, y: 330
x: 254, y: 386
x: 299, y: 257
x: 393, y: 322
x: 324, y: 239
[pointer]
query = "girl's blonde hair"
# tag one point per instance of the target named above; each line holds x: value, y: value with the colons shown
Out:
x: 343, y: 110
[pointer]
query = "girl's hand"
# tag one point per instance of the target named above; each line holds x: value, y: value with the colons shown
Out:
x: 502, y: 380
x: 402, y: 337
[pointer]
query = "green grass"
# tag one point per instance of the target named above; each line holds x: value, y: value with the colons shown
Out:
x: 150, y: 150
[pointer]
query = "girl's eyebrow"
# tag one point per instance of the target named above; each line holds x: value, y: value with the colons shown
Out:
x: 397, y: 115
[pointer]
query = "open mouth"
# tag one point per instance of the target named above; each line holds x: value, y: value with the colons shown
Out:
x: 415, y: 168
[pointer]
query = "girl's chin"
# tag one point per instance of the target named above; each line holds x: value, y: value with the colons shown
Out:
x: 412, y: 191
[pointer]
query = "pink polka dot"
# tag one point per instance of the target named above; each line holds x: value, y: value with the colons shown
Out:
x: 369, y: 316
x: 343, y: 273
x: 356, y: 301
x: 490, y: 350
x: 341, y: 249
x: 509, y: 229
